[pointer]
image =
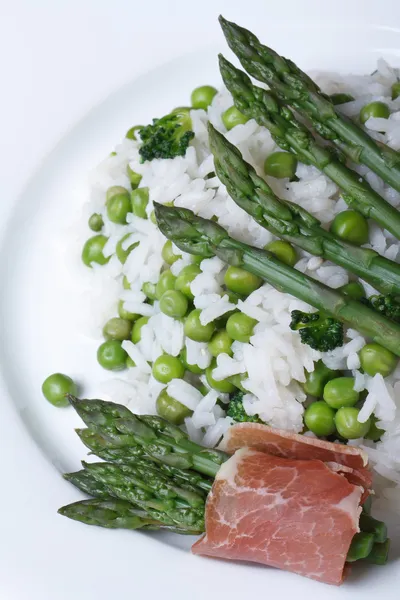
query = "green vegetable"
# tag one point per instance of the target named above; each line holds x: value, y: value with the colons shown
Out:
x: 131, y: 133
x: 174, y: 304
x: 320, y: 418
x: 340, y: 392
x: 116, y: 190
x: 111, y: 355
x: 125, y: 283
x: 317, y: 379
x: 130, y: 363
x: 220, y: 343
x: 168, y: 254
x: 153, y: 217
x: 240, y: 327
x: 395, y: 90
x: 202, y: 96
x: 93, y: 251
x: 125, y: 314
x: 294, y: 224
x: 134, y: 178
x: 379, y: 553
x: 196, y: 235
x: 283, y: 251
x: 350, y: 225
x: 280, y: 165
x: 341, y: 98
x: 374, y: 109
x: 117, y: 329
x: 232, y: 117
x: 236, y: 410
x: 166, y: 282
x: 354, y: 289
x: 317, y: 331
x: 118, y: 207
x: 137, y: 329
x: 192, y: 368
x: 170, y: 409
x: 386, y: 305
x: 185, y: 278
x: 374, y: 433
x: 371, y: 525
x: 347, y: 424
x: 292, y: 136
x: 195, y: 330
x: 139, y: 201
x: 240, y: 281
x: 224, y: 386
x: 96, y: 222
x: 166, y: 137
x: 56, y: 387
x: 361, y: 546
x: 166, y: 368
x: 119, y: 250
x: 294, y: 87
x: 149, y: 289
x: 375, y: 359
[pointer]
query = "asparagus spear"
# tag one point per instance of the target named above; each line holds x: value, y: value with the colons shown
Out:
x: 87, y: 484
x: 290, y: 135
x: 196, y: 235
x: 292, y: 223
x: 297, y: 89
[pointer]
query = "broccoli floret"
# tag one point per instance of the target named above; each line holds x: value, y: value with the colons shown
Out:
x: 317, y: 331
x: 387, y: 305
x: 236, y: 409
x: 166, y: 137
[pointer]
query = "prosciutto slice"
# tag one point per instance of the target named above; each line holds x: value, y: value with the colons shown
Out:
x: 293, y: 514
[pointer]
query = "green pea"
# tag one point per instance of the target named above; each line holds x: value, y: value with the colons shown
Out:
x: 137, y: 329
x: 125, y: 283
x: 240, y: 281
x: 168, y: 254
x: 220, y: 343
x: 232, y: 117
x: 374, y: 109
x: 139, y: 201
x: 174, y: 304
x: 112, y: 356
x: 185, y: 278
x: 167, y: 367
x: 119, y: 250
x: 320, y: 418
x: 166, y: 282
x: 131, y: 133
x: 118, y: 207
x: 113, y: 153
x: 237, y: 381
x: 202, y: 96
x: 192, y: 368
x: 233, y: 298
x: 116, y: 190
x: 149, y: 289
x: 134, y: 178
x: 224, y: 386
x: 240, y: 327
x: 55, y: 388
x: 124, y: 314
x: 130, y: 363
x: 340, y: 392
x: 93, y: 250
x: 195, y: 330
x: 117, y: 329
x: 395, y: 90
x: 280, y: 165
x: 170, y: 409
x: 377, y: 359
x: 96, y: 222
x: 317, y: 379
x: 283, y: 251
x: 341, y: 98
x: 374, y: 433
x: 347, y: 424
x: 153, y: 217
x: 351, y: 226
x: 354, y: 289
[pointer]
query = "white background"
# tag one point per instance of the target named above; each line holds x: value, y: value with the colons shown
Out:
x: 58, y: 59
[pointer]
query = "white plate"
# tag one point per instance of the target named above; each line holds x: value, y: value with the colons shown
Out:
x: 41, y: 554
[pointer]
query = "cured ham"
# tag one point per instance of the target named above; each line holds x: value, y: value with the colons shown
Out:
x: 297, y: 515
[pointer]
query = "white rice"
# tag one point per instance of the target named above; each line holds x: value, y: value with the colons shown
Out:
x: 273, y: 364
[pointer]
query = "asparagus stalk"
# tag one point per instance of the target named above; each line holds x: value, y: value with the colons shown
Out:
x: 196, y: 235
x: 294, y: 224
x: 292, y: 136
x: 297, y: 89
x: 361, y: 546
